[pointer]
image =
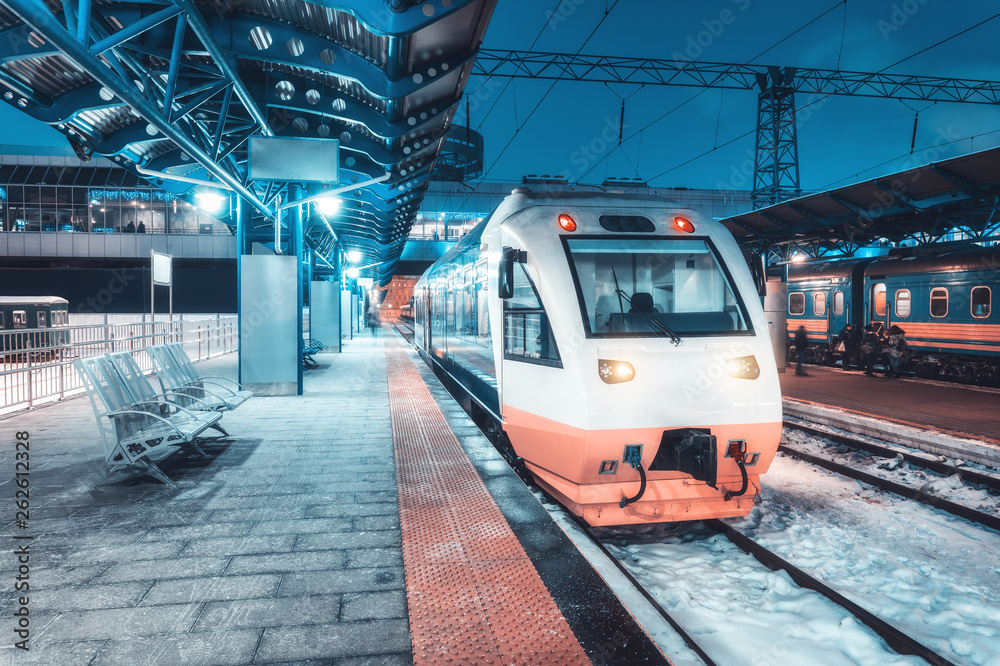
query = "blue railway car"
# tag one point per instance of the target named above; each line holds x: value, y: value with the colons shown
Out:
x: 944, y: 303
x: 32, y: 323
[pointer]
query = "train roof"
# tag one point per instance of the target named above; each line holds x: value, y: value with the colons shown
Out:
x: 524, y: 197
x: 822, y: 269
x: 33, y: 300
x: 960, y: 261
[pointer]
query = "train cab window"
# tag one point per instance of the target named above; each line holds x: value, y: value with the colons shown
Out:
x: 796, y: 303
x: 527, y: 335
x: 902, y: 307
x: 41, y: 319
x: 838, y: 303
x: 939, y: 302
x: 981, y: 302
x: 819, y: 303
x: 646, y: 288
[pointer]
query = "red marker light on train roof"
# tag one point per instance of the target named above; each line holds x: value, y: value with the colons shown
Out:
x: 567, y: 222
x: 683, y: 224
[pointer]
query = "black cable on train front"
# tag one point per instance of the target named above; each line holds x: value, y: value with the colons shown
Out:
x: 642, y: 488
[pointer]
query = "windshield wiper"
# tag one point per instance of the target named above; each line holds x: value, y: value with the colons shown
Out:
x: 657, y: 324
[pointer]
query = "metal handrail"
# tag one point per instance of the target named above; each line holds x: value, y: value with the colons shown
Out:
x: 36, y: 365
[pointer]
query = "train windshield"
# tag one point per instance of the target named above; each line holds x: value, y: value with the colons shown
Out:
x: 652, y: 287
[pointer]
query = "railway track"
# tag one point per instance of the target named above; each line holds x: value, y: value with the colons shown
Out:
x: 966, y: 475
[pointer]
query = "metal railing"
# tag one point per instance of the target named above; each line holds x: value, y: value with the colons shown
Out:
x: 36, y: 365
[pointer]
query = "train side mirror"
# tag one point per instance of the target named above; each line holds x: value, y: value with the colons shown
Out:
x: 505, y: 281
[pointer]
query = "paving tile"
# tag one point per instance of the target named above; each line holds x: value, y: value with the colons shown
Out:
x: 361, y: 558
x: 206, y: 531
x: 270, y: 612
x: 42, y: 579
x: 303, y: 526
x: 345, y: 639
x: 348, y: 540
x: 120, y: 623
x: 344, y: 581
x: 158, y: 550
x: 387, y: 521
x: 373, y: 606
x: 349, y: 508
x: 217, y: 648
x: 195, y: 590
x: 78, y: 653
x: 165, y: 570
x: 245, y: 545
x: 84, y: 597
x: 303, y: 561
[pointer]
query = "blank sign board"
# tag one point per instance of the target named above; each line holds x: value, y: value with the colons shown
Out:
x: 294, y: 159
x: 162, y: 273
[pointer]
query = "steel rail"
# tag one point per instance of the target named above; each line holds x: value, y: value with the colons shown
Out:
x: 933, y: 501
x: 897, y: 640
x: 967, y: 475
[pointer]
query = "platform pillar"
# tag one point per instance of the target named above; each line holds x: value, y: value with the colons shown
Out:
x: 324, y: 313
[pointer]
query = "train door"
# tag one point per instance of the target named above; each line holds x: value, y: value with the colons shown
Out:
x: 425, y: 303
x: 838, y: 313
x: 879, y: 313
x: 42, y: 319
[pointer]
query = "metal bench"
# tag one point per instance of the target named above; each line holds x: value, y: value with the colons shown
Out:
x: 132, y: 426
x: 177, y: 373
x: 143, y: 390
x: 309, y: 350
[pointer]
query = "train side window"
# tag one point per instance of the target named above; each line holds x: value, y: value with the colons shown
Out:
x: 796, y: 303
x: 819, y: 303
x: 982, y: 298
x: 902, y: 308
x: 939, y: 302
x: 527, y: 335
x: 41, y: 319
x: 838, y: 303
x: 19, y: 319
x: 879, y: 302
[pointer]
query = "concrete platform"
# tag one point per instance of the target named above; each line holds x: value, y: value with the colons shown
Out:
x: 941, y: 418
x: 284, y: 545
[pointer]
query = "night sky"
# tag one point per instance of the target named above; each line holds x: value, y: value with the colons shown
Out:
x: 574, y: 129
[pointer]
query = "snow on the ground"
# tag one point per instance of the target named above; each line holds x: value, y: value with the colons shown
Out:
x: 935, y: 577
x: 899, y: 471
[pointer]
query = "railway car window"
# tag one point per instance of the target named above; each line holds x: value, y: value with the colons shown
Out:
x: 678, y: 284
x: 838, y: 303
x: 20, y: 319
x: 939, y: 302
x: 3, y: 324
x: 796, y: 303
x: 878, y: 301
x: 527, y: 335
x: 981, y: 302
x: 819, y: 303
x: 902, y: 307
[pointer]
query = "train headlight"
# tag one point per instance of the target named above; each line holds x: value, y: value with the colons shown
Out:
x: 567, y: 223
x: 683, y: 224
x: 743, y: 367
x: 615, y: 372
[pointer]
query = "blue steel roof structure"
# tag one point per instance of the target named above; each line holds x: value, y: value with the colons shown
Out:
x: 173, y: 90
x: 923, y: 204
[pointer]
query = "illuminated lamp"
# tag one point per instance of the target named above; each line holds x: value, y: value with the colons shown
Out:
x: 352, y: 273
x: 615, y: 372
x: 683, y: 224
x: 567, y: 223
x: 354, y: 256
x: 328, y: 205
x: 211, y: 203
x: 744, y: 367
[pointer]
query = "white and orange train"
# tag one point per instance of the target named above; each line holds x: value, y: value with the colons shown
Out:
x: 617, y: 348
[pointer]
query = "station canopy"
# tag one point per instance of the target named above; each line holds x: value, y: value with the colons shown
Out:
x: 924, y: 204
x: 174, y: 90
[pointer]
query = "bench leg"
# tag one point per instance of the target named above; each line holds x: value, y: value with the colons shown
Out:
x: 194, y: 447
x: 150, y: 468
x: 217, y: 426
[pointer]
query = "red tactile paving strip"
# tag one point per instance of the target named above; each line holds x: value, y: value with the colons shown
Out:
x: 950, y: 408
x: 474, y: 597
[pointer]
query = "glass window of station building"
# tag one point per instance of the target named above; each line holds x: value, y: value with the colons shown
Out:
x: 56, y: 208
x: 443, y: 226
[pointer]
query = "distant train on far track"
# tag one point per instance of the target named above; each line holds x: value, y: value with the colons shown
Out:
x: 616, y: 347
x: 944, y: 303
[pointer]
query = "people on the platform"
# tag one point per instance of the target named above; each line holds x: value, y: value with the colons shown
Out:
x: 372, y: 318
x: 845, y: 346
x: 871, y: 347
x: 801, y: 343
x: 141, y: 228
x: 129, y: 228
x: 897, y: 349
